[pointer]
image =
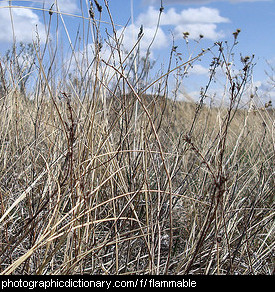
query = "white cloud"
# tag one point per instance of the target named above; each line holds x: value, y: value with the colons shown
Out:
x: 198, y: 70
x: 207, y: 30
x: 265, y: 90
x: 195, y: 15
x: 130, y: 38
x: 26, y: 24
x: 68, y: 6
x: 148, y: 18
x: 196, y: 21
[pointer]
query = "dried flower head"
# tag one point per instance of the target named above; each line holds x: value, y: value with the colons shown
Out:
x: 236, y: 33
x: 186, y: 35
x: 99, y: 7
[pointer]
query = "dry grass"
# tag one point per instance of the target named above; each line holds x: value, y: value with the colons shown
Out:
x: 99, y: 177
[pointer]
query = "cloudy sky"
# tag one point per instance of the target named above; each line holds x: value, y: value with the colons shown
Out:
x: 215, y: 20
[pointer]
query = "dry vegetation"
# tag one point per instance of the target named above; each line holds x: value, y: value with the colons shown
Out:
x: 98, y: 176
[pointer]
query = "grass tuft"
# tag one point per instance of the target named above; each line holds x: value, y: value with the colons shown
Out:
x: 102, y: 171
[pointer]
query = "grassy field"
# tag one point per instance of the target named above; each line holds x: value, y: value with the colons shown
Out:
x: 102, y: 171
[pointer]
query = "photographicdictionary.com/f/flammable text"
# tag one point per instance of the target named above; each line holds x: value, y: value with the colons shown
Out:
x: 106, y: 284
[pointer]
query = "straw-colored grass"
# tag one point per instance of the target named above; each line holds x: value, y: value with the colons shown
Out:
x: 99, y: 176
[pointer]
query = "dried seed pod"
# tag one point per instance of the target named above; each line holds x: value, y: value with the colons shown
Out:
x: 99, y: 7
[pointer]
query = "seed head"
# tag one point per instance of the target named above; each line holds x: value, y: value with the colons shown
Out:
x: 99, y: 7
x: 236, y: 33
x: 186, y: 35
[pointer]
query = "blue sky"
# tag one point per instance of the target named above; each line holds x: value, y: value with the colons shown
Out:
x: 215, y: 20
